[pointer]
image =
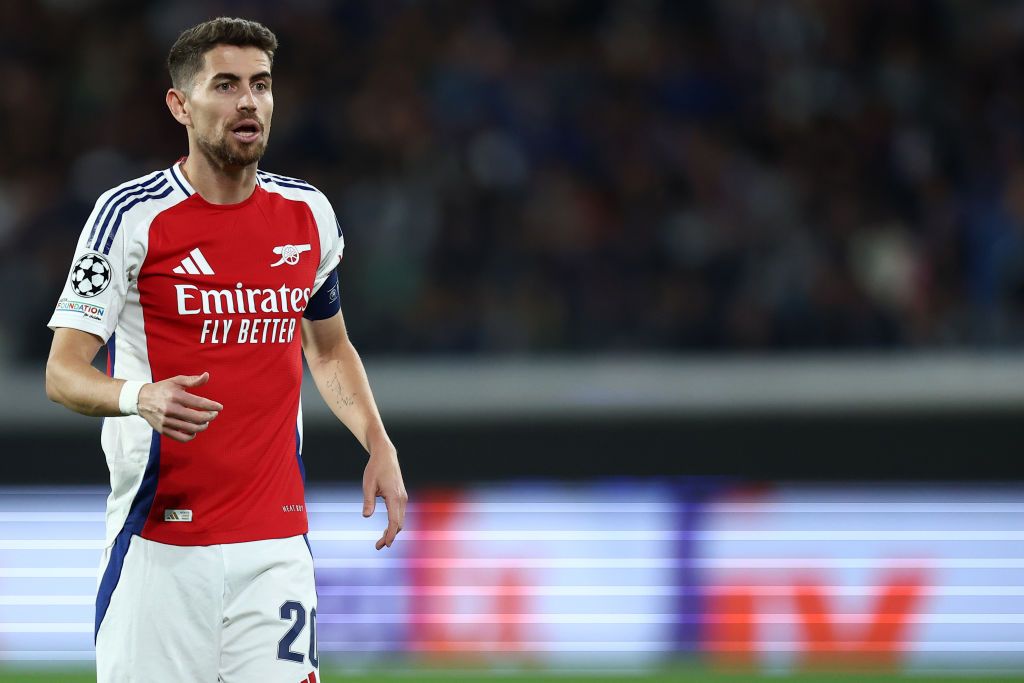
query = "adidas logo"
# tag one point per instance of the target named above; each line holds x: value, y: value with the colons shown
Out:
x: 194, y: 264
x: 177, y: 515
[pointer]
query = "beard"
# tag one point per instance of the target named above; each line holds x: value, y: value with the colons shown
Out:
x: 227, y: 152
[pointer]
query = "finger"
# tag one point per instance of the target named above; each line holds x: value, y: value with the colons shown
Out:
x: 394, y: 520
x: 369, y: 500
x: 192, y: 380
x: 396, y: 511
x: 189, y: 415
x: 392, y: 533
x: 178, y: 436
x: 389, y: 536
x: 398, y: 502
x: 198, y: 402
x: 185, y: 427
x: 404, y: 503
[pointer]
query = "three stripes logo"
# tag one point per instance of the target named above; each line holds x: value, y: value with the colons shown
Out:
x: 177, y: 515
x: 194, y: 264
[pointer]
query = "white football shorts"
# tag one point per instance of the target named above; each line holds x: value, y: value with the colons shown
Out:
x: 231, y: 613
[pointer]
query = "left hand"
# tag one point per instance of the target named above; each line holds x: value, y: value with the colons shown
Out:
x: 383, y: 477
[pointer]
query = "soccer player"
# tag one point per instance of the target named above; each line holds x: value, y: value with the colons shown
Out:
x: 206, y: 281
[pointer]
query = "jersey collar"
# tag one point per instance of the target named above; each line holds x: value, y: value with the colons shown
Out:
x: 179, y: 178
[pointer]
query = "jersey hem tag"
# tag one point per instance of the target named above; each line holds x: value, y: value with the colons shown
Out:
x: 177, y: 515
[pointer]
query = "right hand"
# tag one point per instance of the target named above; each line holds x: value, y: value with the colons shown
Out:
x: 175, y: 413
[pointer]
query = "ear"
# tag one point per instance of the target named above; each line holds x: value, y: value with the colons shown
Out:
x: 176, y: 103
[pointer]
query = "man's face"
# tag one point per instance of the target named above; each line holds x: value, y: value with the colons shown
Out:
x: 231, y: 105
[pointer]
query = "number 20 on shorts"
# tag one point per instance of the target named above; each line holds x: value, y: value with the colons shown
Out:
x: 294, y: 612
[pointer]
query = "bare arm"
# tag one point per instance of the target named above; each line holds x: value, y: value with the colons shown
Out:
x: 339, y: 375
x: 72, y: 381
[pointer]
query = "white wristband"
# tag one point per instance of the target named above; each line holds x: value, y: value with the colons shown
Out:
x: 128, y: 401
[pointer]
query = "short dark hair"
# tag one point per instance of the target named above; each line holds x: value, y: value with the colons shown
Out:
x: 186, y: 57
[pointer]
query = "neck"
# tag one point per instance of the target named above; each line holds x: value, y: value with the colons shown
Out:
x: 219, y: 184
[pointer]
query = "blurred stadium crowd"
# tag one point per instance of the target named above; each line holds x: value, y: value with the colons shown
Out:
x: 575, y: 175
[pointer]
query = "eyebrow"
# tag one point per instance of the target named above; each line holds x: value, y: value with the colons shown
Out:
x: 234, y: 77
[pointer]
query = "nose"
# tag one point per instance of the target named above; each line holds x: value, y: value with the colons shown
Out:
x: 247, y: 102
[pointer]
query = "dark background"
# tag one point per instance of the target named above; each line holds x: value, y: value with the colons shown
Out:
x: 943, y: 447
x: 578, y: 178
x: 577, y: 175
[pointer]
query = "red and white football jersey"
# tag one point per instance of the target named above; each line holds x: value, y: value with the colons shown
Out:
x: 178, y: 286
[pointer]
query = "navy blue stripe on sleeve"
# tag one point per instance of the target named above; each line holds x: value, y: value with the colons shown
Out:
x: 277, y: 176
x: 266, y: 178
x: 326, y: 302
x: 118, y: 208
x: 120, y: 215
x: 145, y: 184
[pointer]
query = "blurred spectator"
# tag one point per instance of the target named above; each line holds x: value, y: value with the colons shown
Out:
x: 576, y: 175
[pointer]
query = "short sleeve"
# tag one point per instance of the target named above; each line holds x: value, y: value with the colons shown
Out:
x: 97, y: 284
x: 332, y: 243
x: 325, y: 301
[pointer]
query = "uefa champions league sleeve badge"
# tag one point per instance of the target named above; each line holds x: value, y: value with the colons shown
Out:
x: 90, y: 275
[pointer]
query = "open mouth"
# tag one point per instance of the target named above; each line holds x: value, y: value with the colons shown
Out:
x: 246, y: 131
